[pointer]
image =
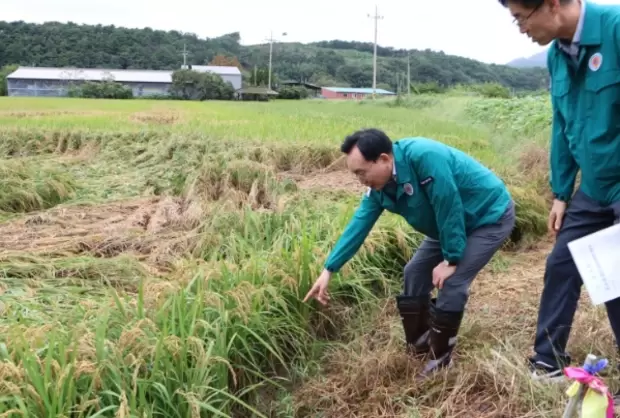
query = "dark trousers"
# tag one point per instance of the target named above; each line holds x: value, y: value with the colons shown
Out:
x: 562, y: 282
x: 482, y: 244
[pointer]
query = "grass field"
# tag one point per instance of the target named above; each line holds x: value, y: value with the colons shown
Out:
x: 154, y: 255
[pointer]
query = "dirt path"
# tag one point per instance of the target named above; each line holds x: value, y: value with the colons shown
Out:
x: 372, y: 377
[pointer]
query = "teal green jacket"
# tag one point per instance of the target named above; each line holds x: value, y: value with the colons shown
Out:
x: 585, y: 98
x: 442, y: 192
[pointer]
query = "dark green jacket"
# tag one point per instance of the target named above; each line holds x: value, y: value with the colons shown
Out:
x: 586, y: 109
x: 442, y: 192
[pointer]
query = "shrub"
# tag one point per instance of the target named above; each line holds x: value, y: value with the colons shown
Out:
x: 293, y: 92
x: 100, y: 90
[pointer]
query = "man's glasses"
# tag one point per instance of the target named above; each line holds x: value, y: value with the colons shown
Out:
x: 520, y: 21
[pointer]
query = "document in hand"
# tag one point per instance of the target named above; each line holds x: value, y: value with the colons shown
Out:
x: 597, y: 257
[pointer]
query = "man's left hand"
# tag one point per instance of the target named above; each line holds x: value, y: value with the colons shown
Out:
x: 441, y: 273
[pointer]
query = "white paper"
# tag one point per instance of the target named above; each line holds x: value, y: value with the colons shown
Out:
x: 597, y: 257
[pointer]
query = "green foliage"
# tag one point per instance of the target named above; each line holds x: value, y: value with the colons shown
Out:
x: 492, y: 90
x: 528, y: 116
x: 160, y: 96
x: 325, y: 63
x: 426, y: 66
x: 100, y: 90
x: 427, y: 88
x: 194, y: 85
x: 260, y: 77
x: 4, y: 72
x: 412, y: 102
x: 293, y: 92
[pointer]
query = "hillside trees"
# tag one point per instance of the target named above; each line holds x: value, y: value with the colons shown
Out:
x: 226, y: 61
x: 343, y: 63
x: 194, y: 85
x: 4, y: 72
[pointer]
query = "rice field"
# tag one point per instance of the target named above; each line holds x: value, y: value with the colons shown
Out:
x: 154, y: 256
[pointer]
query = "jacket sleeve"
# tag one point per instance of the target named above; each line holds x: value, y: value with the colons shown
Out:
x: 355, y: 233
x: 563, y: 166
x: 437, y: 180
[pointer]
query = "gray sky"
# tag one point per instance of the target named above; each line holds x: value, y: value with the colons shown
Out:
x: 479, y: 29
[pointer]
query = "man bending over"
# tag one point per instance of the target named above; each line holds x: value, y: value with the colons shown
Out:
x: 463, y: 209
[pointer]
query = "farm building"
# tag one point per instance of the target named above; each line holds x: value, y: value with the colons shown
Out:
x: 312, y: 88
x: 41, y: 81
x: 351, y: 93
x: 230, y: 74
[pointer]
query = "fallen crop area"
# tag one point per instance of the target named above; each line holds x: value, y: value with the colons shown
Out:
x: 140, y: 227
x: 184, y: 300
x: 153, y: 262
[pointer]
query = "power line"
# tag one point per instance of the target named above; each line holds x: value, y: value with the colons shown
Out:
x: 376, y: 18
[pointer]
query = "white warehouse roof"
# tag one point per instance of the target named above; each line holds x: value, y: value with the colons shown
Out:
x: 100, y: 74
x: 91, y: 74
x: 221, y: 70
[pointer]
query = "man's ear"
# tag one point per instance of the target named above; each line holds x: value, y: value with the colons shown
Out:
x: 384, y: 157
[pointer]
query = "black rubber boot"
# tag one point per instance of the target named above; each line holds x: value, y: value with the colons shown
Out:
x: 444, y: 327
x: 414, y: 313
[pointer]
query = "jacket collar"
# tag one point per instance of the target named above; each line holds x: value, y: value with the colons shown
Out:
x: 591, y: 29
x: 402, y: 169
x: 404, y: 174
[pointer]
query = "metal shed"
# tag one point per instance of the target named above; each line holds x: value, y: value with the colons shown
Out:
x: 54, y: 82
x: 351, y: 93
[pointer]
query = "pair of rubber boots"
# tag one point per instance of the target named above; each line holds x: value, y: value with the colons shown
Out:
x: 429, y: 330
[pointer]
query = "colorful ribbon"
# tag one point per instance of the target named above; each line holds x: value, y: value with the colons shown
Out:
x: 597, y: 402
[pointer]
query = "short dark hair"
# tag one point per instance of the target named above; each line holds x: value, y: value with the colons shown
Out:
x: 371, y: 143
x: 529, y: 4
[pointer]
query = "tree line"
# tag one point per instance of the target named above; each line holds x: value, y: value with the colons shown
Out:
x: 335, y: 63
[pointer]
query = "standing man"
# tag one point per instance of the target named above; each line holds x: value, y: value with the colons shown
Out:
x: 464, y: 210
x: 584, y: 65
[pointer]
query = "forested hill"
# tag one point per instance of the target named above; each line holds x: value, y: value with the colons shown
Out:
x: 326, y: 63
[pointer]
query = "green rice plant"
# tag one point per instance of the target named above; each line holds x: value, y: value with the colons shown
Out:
x: 528, y: 116
x: 122, y: 271
x: 28, y: 187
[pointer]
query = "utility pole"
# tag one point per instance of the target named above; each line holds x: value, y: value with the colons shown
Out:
x: 408, y: 74
x: 184, y: 55
x: 376, y: 17
x: 270, y: 55
x: 270, y: 39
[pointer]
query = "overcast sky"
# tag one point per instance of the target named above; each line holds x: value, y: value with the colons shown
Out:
x: 479, y: 29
